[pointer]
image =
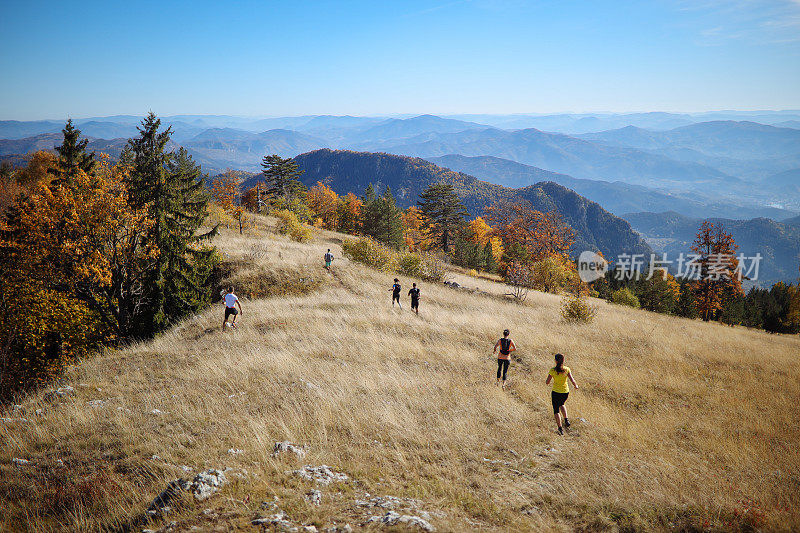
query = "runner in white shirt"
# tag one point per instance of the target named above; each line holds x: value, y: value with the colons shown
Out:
x: 231, y: 301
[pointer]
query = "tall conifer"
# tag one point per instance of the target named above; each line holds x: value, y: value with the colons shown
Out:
x: 72, y: 156
x: 443, y: 212
x: 170, y: 186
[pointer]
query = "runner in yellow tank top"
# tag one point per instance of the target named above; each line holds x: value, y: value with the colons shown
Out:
x: 559, y: 375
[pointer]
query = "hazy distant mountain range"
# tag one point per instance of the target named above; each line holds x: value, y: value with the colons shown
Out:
x: 745, y: 149
x: 617, y: 197
x: 717, y: 162
x: 346, y: 171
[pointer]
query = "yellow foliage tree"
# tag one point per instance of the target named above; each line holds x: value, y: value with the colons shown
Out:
x: 324, y: 203
x: 480, y: 231
x: 415, y: 235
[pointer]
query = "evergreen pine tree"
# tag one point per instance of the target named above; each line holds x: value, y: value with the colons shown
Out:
x: 170, y: 186
x: 443, y: 212
x: 370, y: 213
x: 686, y: 306
x: 187, y: 285
x: 489, y: 264
x: 390, y: 223
x: 72, y: 156
x: 282, y: 178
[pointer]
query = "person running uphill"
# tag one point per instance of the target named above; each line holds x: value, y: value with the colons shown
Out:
x: 231, y: 301
x: 414, y: 293
x: 558, y: 375
x: 504, y: 358
x: 396, y: 293
x: 328, y: 259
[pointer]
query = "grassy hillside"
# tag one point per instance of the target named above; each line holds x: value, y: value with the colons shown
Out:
x: 677, y: 423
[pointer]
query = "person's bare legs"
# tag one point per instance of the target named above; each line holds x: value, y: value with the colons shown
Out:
x: 557, y: 416
x: 504, y: 385
x: 563, y: 410
x: 224, y: 321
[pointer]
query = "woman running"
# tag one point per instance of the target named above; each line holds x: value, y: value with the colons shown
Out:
x: 558, y: 375
x: 504, y: 358
x: 396, y: 293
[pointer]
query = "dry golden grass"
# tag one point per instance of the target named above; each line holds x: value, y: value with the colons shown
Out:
x: 688, y: 425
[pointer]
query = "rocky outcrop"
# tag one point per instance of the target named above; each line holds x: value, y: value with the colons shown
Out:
x: 320, y: 474
x: 392, y: 518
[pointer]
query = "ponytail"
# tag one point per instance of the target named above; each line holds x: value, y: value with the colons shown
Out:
x: 559, y: 363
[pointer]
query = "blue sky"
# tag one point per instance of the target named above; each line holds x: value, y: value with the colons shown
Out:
x: 94, y: 58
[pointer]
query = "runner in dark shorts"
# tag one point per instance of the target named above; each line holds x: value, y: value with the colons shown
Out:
x: 559, y: 375
x: 414, y: 293
x: 231, y: 301
x: 506, y: 346
x: 396, y: 293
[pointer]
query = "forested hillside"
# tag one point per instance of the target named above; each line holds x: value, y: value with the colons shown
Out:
x: 346, y: 171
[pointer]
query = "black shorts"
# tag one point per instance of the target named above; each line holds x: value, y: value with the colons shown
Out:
x: 414, y: 304
x: 558, y: 399
x: 230, y: 311
x: 396, y: 296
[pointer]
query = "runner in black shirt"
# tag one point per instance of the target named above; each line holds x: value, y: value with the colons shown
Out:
x: 414, y: 293
x: 396, y: 293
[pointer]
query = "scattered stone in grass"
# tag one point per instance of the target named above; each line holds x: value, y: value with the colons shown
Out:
x: 12, y: 420
x: 155, y: 458
x: 234, y: 451
x: 287, y: 446
x: 16, y: 461
x: 278, y: 521
x: 394, y: 519
x: 388, y: 502
x: 156, y: 412
x: 206, y: 483
x: 320, y: 474
x: 340, y: 529
x: 96, y: 403
x: 314, y: 497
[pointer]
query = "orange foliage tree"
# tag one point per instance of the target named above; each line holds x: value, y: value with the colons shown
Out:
x: 535, y: 234
x: 226, y: 192
x: 414, y: 233
x: 324, y: 203
x: 349, y: 213
x: 72, y: 264
x: 718, y: 265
